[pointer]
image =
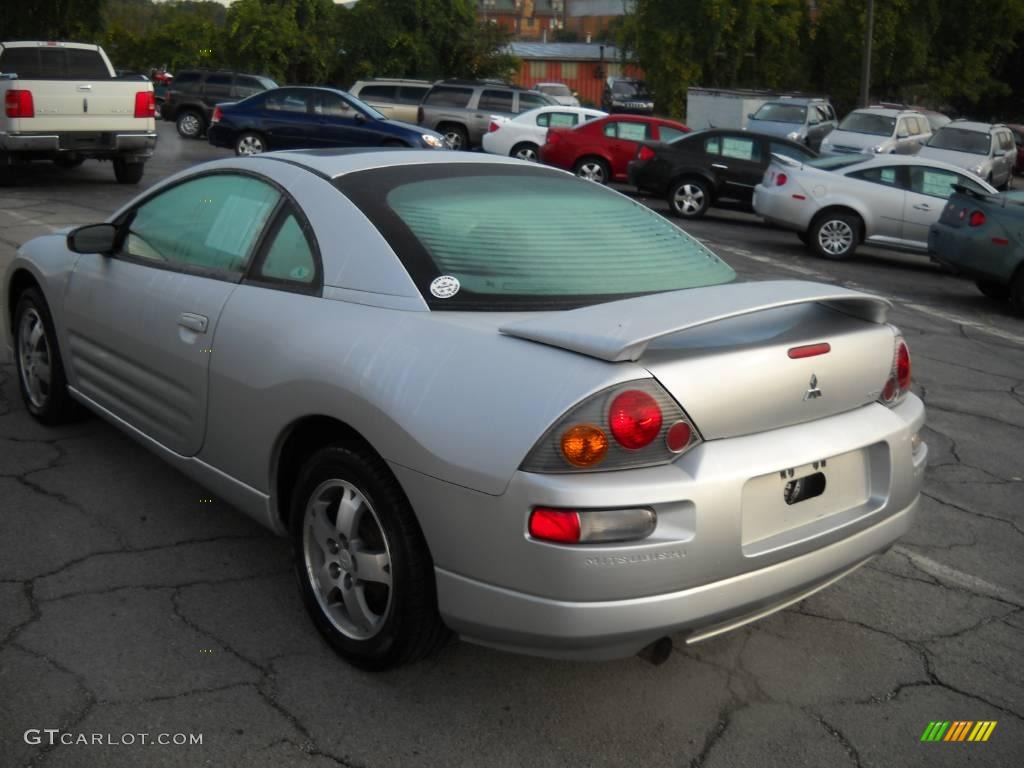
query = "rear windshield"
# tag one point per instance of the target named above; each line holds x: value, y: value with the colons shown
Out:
x: 959, y: 140
x: 46, y: 63
x: 832, y: 162
x: 555, y: 89
x: 781, y: 113
x: 524, y: 238
x: 865, y: 122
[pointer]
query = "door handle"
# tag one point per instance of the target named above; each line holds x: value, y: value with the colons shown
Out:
x: 193, y: 322
x: 719, y: 165
x: 922, y: 207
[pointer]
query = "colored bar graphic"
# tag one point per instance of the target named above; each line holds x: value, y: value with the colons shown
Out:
x: 958, y: 730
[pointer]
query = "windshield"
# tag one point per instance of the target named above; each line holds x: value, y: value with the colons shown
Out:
x: 781, y: 113
x: 362, y: 105
x: 631, y: 89
x: 959, y: 140
x: 865, y: 122
x: 555, y: 89
x: 517, y: 238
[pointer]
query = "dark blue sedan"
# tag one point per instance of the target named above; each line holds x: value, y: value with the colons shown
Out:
x: 310, y: 118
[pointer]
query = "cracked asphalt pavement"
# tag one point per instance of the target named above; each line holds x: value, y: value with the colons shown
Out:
x: 129, y: 606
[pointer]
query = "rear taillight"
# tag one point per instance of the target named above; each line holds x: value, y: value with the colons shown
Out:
x: 635, y: 419
x: 493, y: 126
x: 570, y: 526
x: 637, y: 424
x: 145, y: 104
x: 977, y: 219
x: 781, y: 179
x: 898, y: 383
x: 551, y: 138
x: 218, y: 115
x: 645, y: 153
x: 18, y: 103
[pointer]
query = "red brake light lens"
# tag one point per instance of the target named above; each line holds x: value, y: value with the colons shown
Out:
x: 977, y: 219
x: 18, y: 103
x: 903, y: 366
x: 145, y: 104
x: 218, y: 115
x: 635, y: 419
x: 645, y: 153
x: 781, y: 179
x: 561, y: 525
x: 493, y: 126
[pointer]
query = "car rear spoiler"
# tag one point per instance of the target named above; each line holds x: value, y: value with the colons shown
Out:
x: 786, y: 160
x: 998, y: 199
x: 617, y: 331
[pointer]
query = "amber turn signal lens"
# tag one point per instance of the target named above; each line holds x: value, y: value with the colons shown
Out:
x: 584, y: 445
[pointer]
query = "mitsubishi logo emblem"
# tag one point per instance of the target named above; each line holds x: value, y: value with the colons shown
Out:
x: 812, y: 389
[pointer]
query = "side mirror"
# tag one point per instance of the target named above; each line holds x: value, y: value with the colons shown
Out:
x: 359, y: 117
x: 750, y: 115
x: 93, y: 238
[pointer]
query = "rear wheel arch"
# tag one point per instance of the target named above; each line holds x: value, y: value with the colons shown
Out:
x: 845, y: 210
x: 693, y: 173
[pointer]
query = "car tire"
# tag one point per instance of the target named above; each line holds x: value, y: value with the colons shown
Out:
x: 592, y: 169
x: 6, y: 170
x: 526, y: 150
x: 835, y: 235
x: 190, y: 124
x: 40, y: 370
x: 455, y: 135
x: 387, y: 617
x: 128, y: 173
x: 689, y: 198
x: 250, y: 143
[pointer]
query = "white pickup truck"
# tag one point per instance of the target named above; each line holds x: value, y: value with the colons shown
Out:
x: 63, y: 103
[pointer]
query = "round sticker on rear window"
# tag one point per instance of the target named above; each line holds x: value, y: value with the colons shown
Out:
x: 444, y: 287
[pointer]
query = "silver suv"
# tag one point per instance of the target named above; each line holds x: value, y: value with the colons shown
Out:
x: 461, y: 109
x: 805, y: 120
x: 986, y: 150
x: 878, y: 130
x: 396, y: 98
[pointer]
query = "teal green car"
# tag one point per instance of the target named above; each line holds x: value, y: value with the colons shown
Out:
x: 982, y: 237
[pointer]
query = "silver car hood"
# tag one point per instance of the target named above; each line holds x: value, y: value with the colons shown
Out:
x: 621, y: 330
x: 774, y: 128
x: 854, y: 139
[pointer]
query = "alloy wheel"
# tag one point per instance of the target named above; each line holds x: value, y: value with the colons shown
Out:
x: 250, y: 144
x: 591, y: 170
x: 454, y: 139
x: 347, y: 559
x: 34, y: 358
x: 688, y: 199
x: 527, y: 153
x: 835, y: 237
x: 189, y: 125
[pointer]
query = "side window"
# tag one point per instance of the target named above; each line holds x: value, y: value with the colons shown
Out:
x: 497, y: 101
x: 741, y: 149
x: 669, y: 134
x: 331, y: 105
x: 447, y: 96
x: 289, y: 256
x: 286, y: 101
x: 611, y: 130
x: 209, y: 223
x: 713, y: 146
x: 1006, y: 141
x: 933, y: 181
x: 888, y: 176
x: 903, y: 127
x: 412, y: 94
x: 385, y: 94
x: 218, y: 87
x: 797, y: 153
x: 815, y: 115
x: 531, y: 101
x: 247, y: 86
x: 563, y: 119
x: 634, y: 131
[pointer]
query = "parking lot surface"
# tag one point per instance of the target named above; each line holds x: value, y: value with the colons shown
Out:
x: 129, y: 605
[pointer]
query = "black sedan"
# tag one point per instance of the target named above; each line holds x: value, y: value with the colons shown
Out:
x: 310, y: 118
x: 705, y: 167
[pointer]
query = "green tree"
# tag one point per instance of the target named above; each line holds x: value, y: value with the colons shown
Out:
x: 69, y: 20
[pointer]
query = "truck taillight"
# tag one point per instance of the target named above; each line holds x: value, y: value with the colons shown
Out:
x: 18, y: 103
x: 145, y: 104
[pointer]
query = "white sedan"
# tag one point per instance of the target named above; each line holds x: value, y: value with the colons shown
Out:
x: 523, y: 135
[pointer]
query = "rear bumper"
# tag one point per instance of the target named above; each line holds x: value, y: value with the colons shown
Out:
x: 608, y: 630
x: 725, y: 549
x: 783, y: 210
x: 106, y: 144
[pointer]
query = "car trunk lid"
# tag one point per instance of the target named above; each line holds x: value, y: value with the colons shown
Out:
x: 739, y: 358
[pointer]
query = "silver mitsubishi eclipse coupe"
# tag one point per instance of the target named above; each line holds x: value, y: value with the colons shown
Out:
x: 481, y: 396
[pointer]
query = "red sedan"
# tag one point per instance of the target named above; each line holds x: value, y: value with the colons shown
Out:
x: 601, y: 149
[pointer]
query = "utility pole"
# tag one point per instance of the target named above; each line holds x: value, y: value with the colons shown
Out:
x: 865, y: 72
